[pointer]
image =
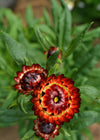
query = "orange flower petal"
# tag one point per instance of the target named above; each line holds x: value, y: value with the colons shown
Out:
x: 58, y: 99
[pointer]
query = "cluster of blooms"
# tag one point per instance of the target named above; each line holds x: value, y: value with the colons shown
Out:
x: 55, y: 98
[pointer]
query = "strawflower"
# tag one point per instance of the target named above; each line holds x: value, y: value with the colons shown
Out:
x: 45, y: 130
x: 29, y: 78
x: 56, y: 100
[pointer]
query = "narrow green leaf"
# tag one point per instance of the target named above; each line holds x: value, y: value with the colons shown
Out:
x: 48, y: 31
x: 46, y: 17
x: 29, y: 16
x: 84, y: 119
x: 32, y: 47
x: 71, y: 72
x: 28, y: 135
x: 56, y: 69
x: 59, y: 137
x: 85, y: 64
x: 61, y: 29
x: 22, y: 128
x: 36, y: 138
x: 95, y: 73
x: 11, y: 17
x: 65, y: 132
x: 90, y: 94
x: 41, y: 39
x: 22, y: 99
x: 76, y: 41
x: 55, y: 12
x: 16, y: 50
x: 88, y: 133
x: 95, y: 51
x: 92, y: 34
x: 13, y: 103
x: 12, y: 116
x: 94, y: 81
x: 77, y: 29
x: 9, y: 99
x: 4, y: 66
x: 14, y: 22
x: 89, y: 91
x: 64, y: 26
x: 52, y: 59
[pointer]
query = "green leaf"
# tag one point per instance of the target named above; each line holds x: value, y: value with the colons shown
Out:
x: 48, y: 31
x: 16, y: 50
x: 64, y: 26
x: 95, y: 51
x: 41, y: 39
x: 29, y: 16
x: 12, y: 116
x: 46, y: 17
x: 90, y: 91
x: 52, y: 59
x: 4, y: 66
x: 92, y: 34
x: 76, y: 41
x: 55, y: 12
x: 94, y: 81
x: 22, y: 128
x: 77, y: 29
x: 9, y: 99
x: 13, y: 103
x: 28, y: 135
x: 87, y: 63
x: 23, y: 99
x: 65, y: 132
x: 59, y: 137
x: 14, y: 22
x: 88, y: 133
x: 90, y: 97
x: 84, y: 119
x: 95, y: 73
x: 32, y: 47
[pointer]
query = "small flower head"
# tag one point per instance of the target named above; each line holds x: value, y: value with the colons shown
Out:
x: 56, y: 100
x: 51, y: 51
x: 45, y: 130
x: 29, y: 78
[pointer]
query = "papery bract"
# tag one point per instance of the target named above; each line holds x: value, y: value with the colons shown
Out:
x: 29, y: 78
x: 45, y: 130
x: 56, y: 100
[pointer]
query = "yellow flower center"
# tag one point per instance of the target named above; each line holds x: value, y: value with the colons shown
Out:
x: 56, y: 99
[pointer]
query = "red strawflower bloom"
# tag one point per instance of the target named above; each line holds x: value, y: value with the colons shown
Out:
x: 45, y: 130
x: 29, y: 78
x: 56, y: 100
x: 51, y: 51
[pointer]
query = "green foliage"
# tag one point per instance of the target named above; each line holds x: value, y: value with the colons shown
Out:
x: 4, y: 66
x: 21, y: 45
x: 28, y: 135
x: 64, y: 26
x: 42, y: 40
x: 11, y: 116
x: 93, y: 34
x: 88, y: 133
x: 84, y: 119
x: 46, y: 17
x: 29, y: 16
x: 82, y: 12
x: 52, y: 60
x: 76, y: 41
x: 16, y: 50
